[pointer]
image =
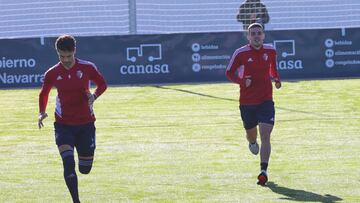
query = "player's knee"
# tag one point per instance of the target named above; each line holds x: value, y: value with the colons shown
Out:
x: 85, y: 165
x: 68, y: 163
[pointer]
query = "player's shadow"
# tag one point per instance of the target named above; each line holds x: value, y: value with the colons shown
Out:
x: 301, y: 195
x: 196, y: 93
x: 236, y: 100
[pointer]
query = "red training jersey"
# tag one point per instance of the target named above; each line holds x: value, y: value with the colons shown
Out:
x: 72, y: 107
x: 259, y: 66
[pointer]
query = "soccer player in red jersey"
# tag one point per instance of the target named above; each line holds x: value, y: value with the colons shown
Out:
x: 74, y: 115
x: 253, y: 66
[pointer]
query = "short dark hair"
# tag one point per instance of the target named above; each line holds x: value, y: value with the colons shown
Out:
x: 65, y: 43
x: 252, y: 25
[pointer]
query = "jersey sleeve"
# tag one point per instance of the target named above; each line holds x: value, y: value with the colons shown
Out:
x: 99, y: 81
x: 235, y: 71
x: 273, y: 70
x: 44, y: 92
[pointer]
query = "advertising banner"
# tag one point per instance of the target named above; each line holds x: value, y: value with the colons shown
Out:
x: 181, y: 58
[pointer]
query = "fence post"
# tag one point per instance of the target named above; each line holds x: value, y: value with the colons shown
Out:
x: 132, y: 17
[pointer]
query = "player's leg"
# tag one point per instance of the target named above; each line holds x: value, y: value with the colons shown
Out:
x: 265, y: 149
x: 65, y: 142
x: 248, y: 116
x: 86, y: 144
x: 251, y: 134
x: 266, y: 117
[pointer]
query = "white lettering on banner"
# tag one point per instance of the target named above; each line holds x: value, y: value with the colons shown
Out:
x: 347, y: 53
x: 343, y: 42
x: 210, y: 46
x: 144, y: 69
x: 21, y: 79
x: 288, y: 53
x: 290, y: 64
x: 222, y: 57
x: 141, y: 55
x: 207, y: 51
x: 347, y: 56
x: 213, y: 67
x: 17, y: 63
x: 347, y: 62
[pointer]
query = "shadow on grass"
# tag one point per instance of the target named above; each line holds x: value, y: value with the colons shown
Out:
x: 301, y: 195
x: 196, y: 93
x: 303, y: 112
x: 236, y: 100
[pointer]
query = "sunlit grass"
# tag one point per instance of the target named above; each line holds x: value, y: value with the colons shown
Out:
x: 185, y: 143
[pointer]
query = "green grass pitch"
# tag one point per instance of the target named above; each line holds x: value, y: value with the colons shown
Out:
x: 185, y: 143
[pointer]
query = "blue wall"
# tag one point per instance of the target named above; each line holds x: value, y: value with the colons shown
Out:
x: 177, y: 58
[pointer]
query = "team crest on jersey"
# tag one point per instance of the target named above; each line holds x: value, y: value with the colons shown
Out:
x: 79, y: 74
x: 265, y: 57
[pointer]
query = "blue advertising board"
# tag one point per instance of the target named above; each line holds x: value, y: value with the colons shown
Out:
x: 181, y: 58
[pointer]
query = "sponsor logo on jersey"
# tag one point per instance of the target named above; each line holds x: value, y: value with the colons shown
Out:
x: 79, y: 74
x: 265, y: 57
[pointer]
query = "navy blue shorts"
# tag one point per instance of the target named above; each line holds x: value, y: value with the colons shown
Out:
x: 80, y: 136
x: 251, y: 115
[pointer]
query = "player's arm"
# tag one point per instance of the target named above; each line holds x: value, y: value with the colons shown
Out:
x: 43, y: 99
x: 274, y: 74
x: 100, y: 83
x: 235, y: 71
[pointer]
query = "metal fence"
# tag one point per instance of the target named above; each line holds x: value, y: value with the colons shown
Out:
x: 43, y: 18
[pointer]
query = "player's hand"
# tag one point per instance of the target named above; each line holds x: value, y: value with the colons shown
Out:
x: 247, y: 82
x: 91, y: 98
x: 277, y: 84
x: 42, y: 116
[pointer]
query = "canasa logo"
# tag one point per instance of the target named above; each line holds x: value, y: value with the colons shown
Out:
x: 286, y: 60
x: 144, y: 59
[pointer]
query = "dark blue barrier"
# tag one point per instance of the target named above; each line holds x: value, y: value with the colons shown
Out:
x: 177, y: 58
